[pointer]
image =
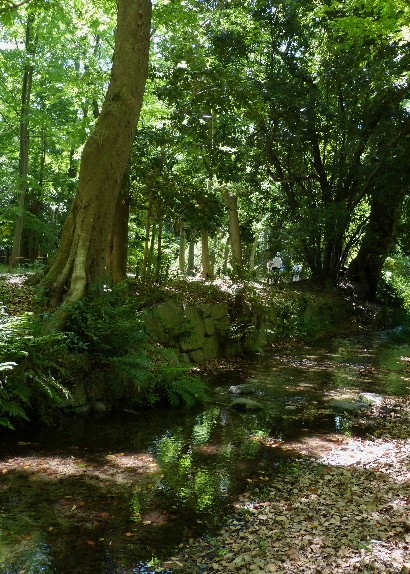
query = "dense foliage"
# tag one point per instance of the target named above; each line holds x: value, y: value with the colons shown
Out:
x: 300, y: 111
x: 105, y: 357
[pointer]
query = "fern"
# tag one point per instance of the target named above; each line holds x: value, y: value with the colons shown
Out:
x: 182, y: 388
x: 27, y: 362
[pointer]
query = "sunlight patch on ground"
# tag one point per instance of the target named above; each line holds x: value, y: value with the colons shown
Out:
x: 388, y: 456
x: 140, y: 462
x: 119, y: 467
x: 314, y: 518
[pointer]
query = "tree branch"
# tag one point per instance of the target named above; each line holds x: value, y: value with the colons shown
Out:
x: 13, y: 6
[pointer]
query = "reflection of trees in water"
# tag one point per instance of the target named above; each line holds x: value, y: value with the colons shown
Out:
x: 200, y: 470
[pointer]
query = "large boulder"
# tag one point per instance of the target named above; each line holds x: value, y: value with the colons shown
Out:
x: 195, y: 337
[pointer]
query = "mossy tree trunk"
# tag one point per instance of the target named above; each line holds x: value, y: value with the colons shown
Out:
x: 81, y: 258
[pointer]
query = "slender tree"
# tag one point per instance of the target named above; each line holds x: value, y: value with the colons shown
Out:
x: 30, y: 48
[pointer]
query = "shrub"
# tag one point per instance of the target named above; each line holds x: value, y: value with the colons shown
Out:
x: 119, y: 360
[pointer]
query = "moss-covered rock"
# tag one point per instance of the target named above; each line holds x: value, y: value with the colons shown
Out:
x: 245, y: 405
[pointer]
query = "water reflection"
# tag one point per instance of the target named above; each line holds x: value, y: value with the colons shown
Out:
x: 116, y: 494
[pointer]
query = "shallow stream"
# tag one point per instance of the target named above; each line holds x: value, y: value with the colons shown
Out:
x: 118, y: 493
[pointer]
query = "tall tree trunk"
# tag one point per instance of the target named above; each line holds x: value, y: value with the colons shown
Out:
x: 191, y: 257
x: 152, y: 248
x: 30, y: 49
x: 206, y: 262
x: 31, y: 237
x: 379, y: 238
x: 182, y: 247
x: 252, y: 255
x: 231, y: 201
x: 150, y: 207
x: 159, y: 248
x: 226, y: 256
x: 118, y: 247
x: 81, y: 257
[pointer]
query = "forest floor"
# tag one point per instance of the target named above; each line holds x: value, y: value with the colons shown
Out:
x: 341, y: 506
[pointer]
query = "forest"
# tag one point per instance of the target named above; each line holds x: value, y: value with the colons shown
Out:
x: 155, y: 157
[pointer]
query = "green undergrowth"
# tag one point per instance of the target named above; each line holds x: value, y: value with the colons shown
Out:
x: 104, y: 346
x: 31, y: 369
x: 119, y: 361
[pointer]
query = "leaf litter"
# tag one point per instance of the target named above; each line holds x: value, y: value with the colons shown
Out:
x: 340, y: 505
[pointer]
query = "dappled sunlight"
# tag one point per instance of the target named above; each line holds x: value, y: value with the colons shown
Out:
x: 113, y: 467
x: 316, y: 446
x: 300, y: 387
x: 140, y: 462
x: 51, y: 467
x: 316, y: 497
x: 315, y: 517
x: 388, y: 456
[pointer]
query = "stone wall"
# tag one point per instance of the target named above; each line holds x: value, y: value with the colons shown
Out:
x: 210, y: 330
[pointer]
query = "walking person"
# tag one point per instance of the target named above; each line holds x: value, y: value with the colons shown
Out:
x: 274, y: 266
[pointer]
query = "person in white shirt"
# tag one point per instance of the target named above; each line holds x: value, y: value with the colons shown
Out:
x: 274, y: 266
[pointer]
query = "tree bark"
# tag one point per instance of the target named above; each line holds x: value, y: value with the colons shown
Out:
x: 226, y: 256
x: 81, y: 258
x: 252, y: 255
x: 152, y: 249
x: 158, y: 263
x: 366, y: 268
x: 118, y: 247
x: 231, y: 201
x: 191, y: 258
x: 182, y: 246
x: 206, y: 262
x: 30, y: 48
x: 150, y: 207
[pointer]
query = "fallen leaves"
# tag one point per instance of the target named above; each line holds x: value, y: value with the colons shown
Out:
x: 320, y: 518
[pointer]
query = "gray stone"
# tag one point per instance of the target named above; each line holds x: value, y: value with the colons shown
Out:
x: 245, y: 405
x: 219, y: 311
x: 223, y: 325
x: 344, y: 405
x: 78, y: 396
x: 371, y: 399
x: 245, y: 389
x: 100, y: 407
x: 169, y: 314
x: 205, y: 310
x: 81, y: 409
x: 196, y: 356
x: 195, y: 339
